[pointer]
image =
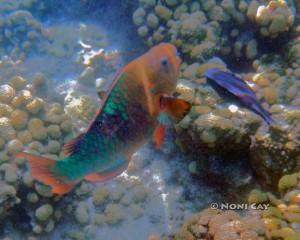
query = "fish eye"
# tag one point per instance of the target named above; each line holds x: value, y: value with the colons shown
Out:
x: 165, y: 62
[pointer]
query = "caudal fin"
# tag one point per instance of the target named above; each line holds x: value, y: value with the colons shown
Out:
x: 263, y: 113
x: 42, y: 170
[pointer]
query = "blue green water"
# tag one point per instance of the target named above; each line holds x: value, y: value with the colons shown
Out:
x: 55, y: 56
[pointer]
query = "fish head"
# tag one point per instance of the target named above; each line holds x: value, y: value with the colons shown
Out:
x: 162, y: 68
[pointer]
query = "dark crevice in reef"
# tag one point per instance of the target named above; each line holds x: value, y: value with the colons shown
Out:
x: 265, y: 46
x: 2, y: 227
x: 19, y: 216
x: 20, y: 219
x: 232, y: 176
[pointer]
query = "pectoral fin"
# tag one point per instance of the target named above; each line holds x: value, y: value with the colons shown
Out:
x: 159, y: 135
x: 43, y: 170
x: 176, y: 107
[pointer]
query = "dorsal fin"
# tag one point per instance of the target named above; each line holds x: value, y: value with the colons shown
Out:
x: 105, y: 97
x: 73, y: 145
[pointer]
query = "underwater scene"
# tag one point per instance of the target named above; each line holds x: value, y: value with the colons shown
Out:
x: 150, y: 120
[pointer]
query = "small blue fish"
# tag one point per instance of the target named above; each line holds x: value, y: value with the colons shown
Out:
x: 234, y: 87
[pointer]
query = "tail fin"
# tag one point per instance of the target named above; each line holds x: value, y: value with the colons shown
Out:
x: 267, y: 117
x: 256, y: 107
x: 264, y: 114
x: 42, y: 170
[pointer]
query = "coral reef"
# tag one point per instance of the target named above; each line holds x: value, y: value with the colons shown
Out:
x: 202, y: 29
x: 35, y: 125
x: 274, y: 18
x: 275, y: 152
x: 278, y: 220
x: 222, y: 225
x: 213, y: 120
x: 12, y: 5
x: 258, y: 39
x: 67, y: 39
x: 281, y: 218
x: 80, y: 106
x: 98, y: 66
x: 234, y: 30
x: 23, y: 34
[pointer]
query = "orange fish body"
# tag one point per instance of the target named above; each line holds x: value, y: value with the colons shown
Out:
x: 137, y: 106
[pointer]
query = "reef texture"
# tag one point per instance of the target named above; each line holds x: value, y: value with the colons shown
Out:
x: 257, y: 39
x: 203, y: 28
x: 28, y: 123
x: 279, y: 220
x: 21, y: 35
x: 222, y: 225
x: 31, y: 123
x: 241, y: 33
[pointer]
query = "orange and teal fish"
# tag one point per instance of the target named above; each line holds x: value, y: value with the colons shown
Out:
x: 138, y: 105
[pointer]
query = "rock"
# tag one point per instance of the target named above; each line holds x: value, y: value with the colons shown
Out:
x: 152, y: 20
x: 44, y: 212
x: 136, y: 211
x: 100, y: 195
x: 138, y: 16
x: 14, y: 146
x: 218, y: 224
x: 7, y: 93
x: 32, y: 197
x: 10, y: 173
x: 163, y: 12
x: 35, y: 105
x: 113, y: 214
x: 275, y: 152
x: 99, y: 219
x: 19, y: 119
x: 82, y: 213
x: 17, y: 82
x: 43, y: 190
x: 186, y: 90
x: 140, y: 194
x: 143, y: 31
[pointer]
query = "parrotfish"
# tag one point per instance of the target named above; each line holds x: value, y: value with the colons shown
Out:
x: 138, y: 105
x: 237, y: 89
